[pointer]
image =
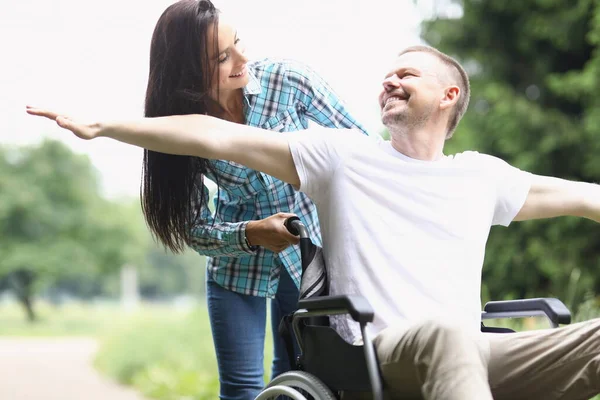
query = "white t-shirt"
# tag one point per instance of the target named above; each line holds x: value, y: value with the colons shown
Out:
x: 408, y: 235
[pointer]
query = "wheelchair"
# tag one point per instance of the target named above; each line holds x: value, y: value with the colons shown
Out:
x: 327, y: 367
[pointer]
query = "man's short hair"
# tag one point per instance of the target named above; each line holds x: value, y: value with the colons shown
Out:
x: 458, y: 74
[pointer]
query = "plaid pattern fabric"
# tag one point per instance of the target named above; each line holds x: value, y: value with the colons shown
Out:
x: 281, y: 96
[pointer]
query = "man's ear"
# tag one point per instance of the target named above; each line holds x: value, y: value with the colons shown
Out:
x: 451, y: 95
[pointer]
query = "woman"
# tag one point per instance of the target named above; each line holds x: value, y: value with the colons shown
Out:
x: 198, y: 66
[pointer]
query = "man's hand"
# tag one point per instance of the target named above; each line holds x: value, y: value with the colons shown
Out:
x: 271, y: 233
x: 83, y: 131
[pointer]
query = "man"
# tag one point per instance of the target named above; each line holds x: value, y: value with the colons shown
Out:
x: 405, y: 226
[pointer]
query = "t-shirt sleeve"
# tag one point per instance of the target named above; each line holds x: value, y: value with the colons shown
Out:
x: 512, y: 187
x: 318, y: 153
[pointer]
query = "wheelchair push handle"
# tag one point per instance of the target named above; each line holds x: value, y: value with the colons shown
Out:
x: 307, y: 248
x: 296, y: 227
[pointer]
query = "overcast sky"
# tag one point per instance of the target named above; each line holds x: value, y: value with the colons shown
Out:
x: 89, y: 59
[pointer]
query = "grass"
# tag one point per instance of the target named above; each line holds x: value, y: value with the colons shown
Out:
x: 74, y: 319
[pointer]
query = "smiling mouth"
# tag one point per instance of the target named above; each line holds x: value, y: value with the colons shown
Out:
x: 239, y: 74
x: 393, y: 99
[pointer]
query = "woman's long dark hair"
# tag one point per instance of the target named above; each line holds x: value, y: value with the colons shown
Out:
x: 180, y: 78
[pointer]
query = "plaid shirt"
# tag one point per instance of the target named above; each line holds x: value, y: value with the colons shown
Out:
x: 280, y: 96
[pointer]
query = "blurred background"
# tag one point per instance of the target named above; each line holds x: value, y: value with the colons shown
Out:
x: 76, y: 259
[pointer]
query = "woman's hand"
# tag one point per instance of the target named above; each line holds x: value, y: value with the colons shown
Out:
x: 271, y: 233
x: 81, y: 130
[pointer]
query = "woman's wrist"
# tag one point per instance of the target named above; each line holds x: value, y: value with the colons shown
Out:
x: 249, y: 236
x: 100, y: 129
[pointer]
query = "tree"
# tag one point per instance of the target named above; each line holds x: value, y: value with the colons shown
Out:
x: 53, y: 222
x: 534, y: 68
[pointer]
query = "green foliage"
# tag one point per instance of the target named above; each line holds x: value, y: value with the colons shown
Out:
x: 44, y: 194
x: 74, y: 319
x: 534, y: 68
x: 58, y: 235
x: 52, y: 220
x: 166, y: 273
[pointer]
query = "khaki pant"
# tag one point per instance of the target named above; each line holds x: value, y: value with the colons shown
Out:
x: 435, y: 360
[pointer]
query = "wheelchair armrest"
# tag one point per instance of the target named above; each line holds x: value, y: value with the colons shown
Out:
x: 358, y: 307
x: 554, y: 309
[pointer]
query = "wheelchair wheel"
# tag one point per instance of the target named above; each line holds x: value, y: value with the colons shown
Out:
x: 303, y: 385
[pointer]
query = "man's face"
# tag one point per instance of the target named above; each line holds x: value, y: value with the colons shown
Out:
x: 412, y: 90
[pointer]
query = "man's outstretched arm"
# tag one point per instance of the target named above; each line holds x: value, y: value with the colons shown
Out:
x: 194, y: 135
x: 552, y: 197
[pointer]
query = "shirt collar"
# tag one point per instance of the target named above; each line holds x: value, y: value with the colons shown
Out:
x: 253, y: 87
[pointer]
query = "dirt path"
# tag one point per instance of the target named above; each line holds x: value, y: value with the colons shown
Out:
x: 55, y: 369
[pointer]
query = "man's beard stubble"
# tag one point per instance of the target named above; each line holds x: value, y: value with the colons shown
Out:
x: 406, y: 120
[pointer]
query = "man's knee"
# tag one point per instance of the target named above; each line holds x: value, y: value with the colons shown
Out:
x: 429, y: 339
x: 435, y: 329
x: 431, y: 351
x: 443, y: 337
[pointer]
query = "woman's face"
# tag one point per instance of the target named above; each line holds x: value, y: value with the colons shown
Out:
x: 229, y: 57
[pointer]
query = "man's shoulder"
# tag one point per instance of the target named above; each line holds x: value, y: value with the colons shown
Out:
x: 473, y: 156
x: 480, y: 162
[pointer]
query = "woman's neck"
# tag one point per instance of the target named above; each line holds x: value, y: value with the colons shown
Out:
x: 229, y: 106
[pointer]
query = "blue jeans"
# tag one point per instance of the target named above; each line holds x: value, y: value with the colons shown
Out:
x: 238, y: 325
